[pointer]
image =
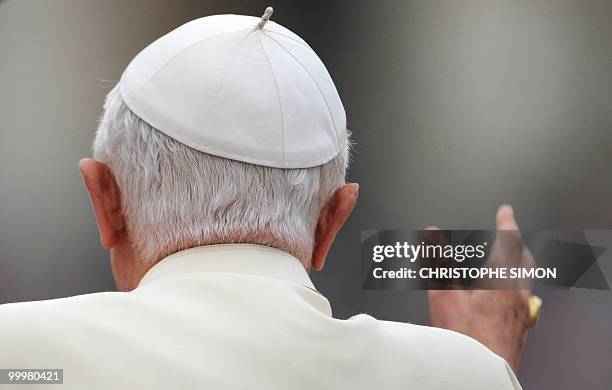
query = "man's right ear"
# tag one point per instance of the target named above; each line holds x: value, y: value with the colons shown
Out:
x: 105, y: 199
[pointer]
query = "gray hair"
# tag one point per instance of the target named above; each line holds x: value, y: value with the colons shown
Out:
x: 174, y: 197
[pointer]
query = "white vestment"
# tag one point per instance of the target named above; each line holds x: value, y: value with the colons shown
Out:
x: 235, y: 317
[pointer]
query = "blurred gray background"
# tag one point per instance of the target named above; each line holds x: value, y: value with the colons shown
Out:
x: 456, y: 107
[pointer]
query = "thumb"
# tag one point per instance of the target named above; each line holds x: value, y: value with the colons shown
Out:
x: 504, y: 219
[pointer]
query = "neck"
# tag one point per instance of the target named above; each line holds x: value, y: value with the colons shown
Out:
x: 129, y: 265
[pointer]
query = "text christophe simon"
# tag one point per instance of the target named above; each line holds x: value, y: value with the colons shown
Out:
x: 405, y: 251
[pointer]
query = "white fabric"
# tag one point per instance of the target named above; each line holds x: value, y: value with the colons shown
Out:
x: 223, y: 86
x: 235, y: 317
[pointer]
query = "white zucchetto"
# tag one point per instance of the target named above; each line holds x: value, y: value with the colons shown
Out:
x: 239, y: 87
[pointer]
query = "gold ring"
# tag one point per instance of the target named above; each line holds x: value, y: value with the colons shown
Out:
x: 535, y: 310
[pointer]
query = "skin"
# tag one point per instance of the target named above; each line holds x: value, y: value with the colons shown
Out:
x: 495, y: 318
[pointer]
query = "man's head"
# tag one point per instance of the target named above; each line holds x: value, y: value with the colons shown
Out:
x: 154, y: 196
x: 228, y: 129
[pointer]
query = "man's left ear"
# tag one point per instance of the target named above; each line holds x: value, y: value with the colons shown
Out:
x: 334, y: 215
x: 106, y: 200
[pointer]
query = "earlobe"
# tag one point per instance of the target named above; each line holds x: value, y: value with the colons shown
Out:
x: 332, y: 218
x: 105, y: 199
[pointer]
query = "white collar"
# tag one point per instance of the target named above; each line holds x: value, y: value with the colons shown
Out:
x: 233, y: 258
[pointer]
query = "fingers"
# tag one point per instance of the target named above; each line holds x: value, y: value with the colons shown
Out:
x: 504, y: 219
x: 433, y: 236
x: 508, y: 237
x: 509, y: 250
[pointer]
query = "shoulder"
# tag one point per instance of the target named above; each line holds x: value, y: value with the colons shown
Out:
x: 41, y: 313
x: 38, y: 332
x: 448, y: 357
